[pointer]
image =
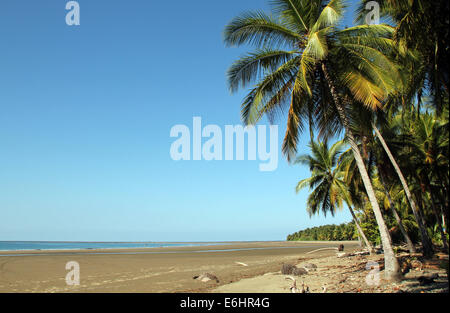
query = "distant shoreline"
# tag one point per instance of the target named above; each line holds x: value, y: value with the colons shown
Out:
x: 176, y: 248
x: 97, y: 245
x: 15, y: 246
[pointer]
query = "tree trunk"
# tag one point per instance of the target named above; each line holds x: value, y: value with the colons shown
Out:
x: 397, y: 217
x: 444, y: 199
x: 361, y: 232
x: 426, y: 242
x: 392, y: 268
x: 359, y: 241
x: 311, y: 125
x: 438, y: 219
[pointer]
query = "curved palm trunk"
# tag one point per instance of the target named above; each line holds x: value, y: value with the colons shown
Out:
x: 426, y: 242
x: 361, y: 232
x: 397, y: 217
x: 392, y: 268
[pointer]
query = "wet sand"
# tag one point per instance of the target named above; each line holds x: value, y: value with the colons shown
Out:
x: 153, y: 270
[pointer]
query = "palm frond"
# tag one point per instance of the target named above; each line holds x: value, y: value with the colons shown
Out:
x: 260, y: 30
x: 331, y: 14
x: 254, y: 65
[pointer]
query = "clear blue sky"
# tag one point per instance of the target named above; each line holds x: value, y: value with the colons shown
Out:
x: 85, y: 116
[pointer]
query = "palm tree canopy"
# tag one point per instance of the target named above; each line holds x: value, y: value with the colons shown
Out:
x: 284, y: 71
x: 422, y: 26
x: 326, y: 181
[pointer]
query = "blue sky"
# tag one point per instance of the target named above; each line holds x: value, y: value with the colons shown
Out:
x: 85, y: 117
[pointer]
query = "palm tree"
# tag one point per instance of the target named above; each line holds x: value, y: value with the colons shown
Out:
x: 422, y: 30
x: 422, y: 26
x: 424, y: 156
x: 410, y: 244
x: 431, y: 138
x: 328, y: 188
x: 426, y: 242
x: 375, y: 150
x: 353, y: 179
x: 405, y: 92
x: 305, y: 62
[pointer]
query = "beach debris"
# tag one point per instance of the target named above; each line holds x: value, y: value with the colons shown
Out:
x: 286, y: 269
x: 442, y: 256
x: 409, y: 265
x: 293, y: 288
x: 427, y: 280
x: 289, y: 269
x: 309, y: 267
x: 240, y: 263
x: 379, y: 249
x: 299, y: 272
x: 314, y: 251
x: 341, y: 248
x: 305, y: 289
x: 324, y: 289
x: 357, y: 254
x: 434, y: 264
x: 206, y: 277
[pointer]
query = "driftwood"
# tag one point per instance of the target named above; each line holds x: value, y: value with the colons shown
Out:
x: 206, y: 277
x: 295, y: 289
x: 364, y: 252
x: 357, y: 253
x: 240, y: 263
x: 322, y: 250
x: 304, y: 289
x: 403, y: 249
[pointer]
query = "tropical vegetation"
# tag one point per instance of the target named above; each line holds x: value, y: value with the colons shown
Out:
x: 380, y: 91
x: 343, y: 232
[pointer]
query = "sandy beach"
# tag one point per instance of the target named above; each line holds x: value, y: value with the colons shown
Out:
x: 155, y: 270
x: 240, y: 268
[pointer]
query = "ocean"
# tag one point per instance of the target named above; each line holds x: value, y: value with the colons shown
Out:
x: 53, y: 245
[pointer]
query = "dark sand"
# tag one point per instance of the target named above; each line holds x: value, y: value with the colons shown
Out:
x: 152, y: 270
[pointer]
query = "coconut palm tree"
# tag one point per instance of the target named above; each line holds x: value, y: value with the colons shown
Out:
x: 382, y: 179
x: 424, y: 159
x: 383, y: 146
x: 422, y: 30
x: 427, y: 245
x: 431, y: 138
x: 422, y: 26
x: 353, y: 180
x: 328, y: 190
x: 405, y: 91
x: 375, y: 149
x: 304, y: 62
